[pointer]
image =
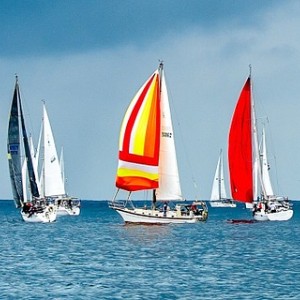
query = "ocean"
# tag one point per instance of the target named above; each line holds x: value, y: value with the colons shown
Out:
x: 94, y: 256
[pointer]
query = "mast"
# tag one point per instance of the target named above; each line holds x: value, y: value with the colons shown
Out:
x: 257, y: 172
x: 160, y: 70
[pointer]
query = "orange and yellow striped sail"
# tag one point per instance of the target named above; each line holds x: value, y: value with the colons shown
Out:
x: 140, y: 139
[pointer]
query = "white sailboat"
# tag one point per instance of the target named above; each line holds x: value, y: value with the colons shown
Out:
x: 249, y: 176
x: 147, y: 160
x: 218, y: 196
x: 33, y: 206
x: 52, y: 176
x: 278, y: 205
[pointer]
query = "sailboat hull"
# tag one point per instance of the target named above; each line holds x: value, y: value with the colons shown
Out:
x: 148, y: 216
x: 260, y: 216
x: 48, y: 215
x: 283, y: 215
x: 222, y: 204
x: 65, y: 211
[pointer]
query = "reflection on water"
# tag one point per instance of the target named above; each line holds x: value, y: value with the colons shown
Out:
x: 146, y: 234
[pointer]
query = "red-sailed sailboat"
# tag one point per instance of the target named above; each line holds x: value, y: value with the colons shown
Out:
x: 245, y: 163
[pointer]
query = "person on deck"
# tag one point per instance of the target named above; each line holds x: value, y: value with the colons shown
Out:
x: 165, y: 207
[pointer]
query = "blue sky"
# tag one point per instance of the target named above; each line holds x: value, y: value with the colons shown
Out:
x: 87, y: 59
x: 55, y: 27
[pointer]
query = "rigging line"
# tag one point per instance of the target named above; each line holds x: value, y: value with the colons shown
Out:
x: 173, y: 108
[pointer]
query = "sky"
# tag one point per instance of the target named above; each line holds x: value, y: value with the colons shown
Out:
x: 87, y: 59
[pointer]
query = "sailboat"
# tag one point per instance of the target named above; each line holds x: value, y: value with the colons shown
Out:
x: 148, y: 162
x: 218, y: 196
x: 52, y: 174
x: 33, y: 207
x: 246, y: 168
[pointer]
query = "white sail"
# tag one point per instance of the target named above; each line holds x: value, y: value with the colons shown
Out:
x: 257, y: 178
x: 24, y: 180
x: 169, y: 182
x: 52, y: 181
x: 265, y: 167
x: 218, y: 191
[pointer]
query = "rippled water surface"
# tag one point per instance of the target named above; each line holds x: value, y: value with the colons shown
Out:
x: 94, y: 256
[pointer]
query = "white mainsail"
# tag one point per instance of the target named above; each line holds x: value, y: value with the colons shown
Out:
x: 169, y: 182
x: 52, y: 179
x: 218, y: 191
x: 265, y: 167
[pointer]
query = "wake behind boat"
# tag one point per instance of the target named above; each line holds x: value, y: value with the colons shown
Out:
x: 248, y: 167
x: 147, y: 160
x: 33, y: 208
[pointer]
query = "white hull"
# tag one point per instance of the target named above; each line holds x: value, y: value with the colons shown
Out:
x: 148, y: 216
x: 48, y: 215
x: 249, y: 205
x: 282, y: 215
x: 66, y: 211
x: 222, y: 204
x: 260, y: 216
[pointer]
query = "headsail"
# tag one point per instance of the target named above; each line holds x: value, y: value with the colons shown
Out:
x: 240, y: 148
x: 140, y: 139
x: 14, y: 150
x: 16, y: 133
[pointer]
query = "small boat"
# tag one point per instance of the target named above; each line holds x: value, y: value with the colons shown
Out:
x: 34, y: 207
x: 148, y: 162
x: 218, y: 196
x: 249, y: 175
x: 52, y: 179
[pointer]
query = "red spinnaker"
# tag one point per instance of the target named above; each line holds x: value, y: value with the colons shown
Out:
x: 240, y: 148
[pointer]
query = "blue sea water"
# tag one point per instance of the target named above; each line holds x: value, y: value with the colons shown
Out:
x: 94, y: 256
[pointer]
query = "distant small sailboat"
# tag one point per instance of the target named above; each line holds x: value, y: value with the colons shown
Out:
x: 34, y: 208
x: 249, y: 177
x: 147, y: 160
x: 52, y: 175
x: 218, y: 196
